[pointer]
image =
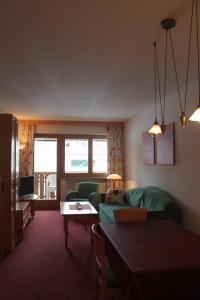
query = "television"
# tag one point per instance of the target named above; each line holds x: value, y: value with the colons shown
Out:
x: 26, y: 185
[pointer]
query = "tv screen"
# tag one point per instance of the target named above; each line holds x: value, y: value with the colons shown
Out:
x: 26, y: 185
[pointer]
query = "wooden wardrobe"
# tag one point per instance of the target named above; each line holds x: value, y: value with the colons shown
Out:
x: 9, y: 166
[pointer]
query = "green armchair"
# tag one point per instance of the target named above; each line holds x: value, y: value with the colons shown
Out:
x: 87, y: 191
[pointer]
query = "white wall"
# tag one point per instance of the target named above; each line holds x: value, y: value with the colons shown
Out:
x: 181, y: 179
x: 71, y: 129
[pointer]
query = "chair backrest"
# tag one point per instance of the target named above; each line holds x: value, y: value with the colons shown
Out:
x: 99, y: 242
x: 107, y: 283
x: 86, y: 188
x: 101, y: 259
x: 131, y: 214
x: 51, y: 180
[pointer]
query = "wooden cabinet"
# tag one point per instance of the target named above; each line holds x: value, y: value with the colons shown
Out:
x: 8, y: 174
x: 1, y: 217
x: 23, y: 217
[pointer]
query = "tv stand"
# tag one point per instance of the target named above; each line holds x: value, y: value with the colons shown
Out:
x: 23, y: 217
x: 31, y: 198
x: 25, y: 211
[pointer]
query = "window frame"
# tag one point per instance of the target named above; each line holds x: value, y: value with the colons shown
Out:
x: 61, y: 153
x: 90, y: 139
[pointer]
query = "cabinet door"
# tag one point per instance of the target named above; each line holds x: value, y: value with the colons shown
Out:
x: 1, y: 217
x: 8, y: 152
x: 14, y: 186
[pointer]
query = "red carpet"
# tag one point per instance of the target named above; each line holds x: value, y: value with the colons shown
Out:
x: 40, y: 267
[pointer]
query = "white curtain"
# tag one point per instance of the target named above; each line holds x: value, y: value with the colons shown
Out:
x: 26, y: 140
x: 116, y: 151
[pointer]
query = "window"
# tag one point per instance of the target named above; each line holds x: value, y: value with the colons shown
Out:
x: 86, y: 155
x: 45, y: 167
x: 76, y: 156
x: 99, y: 151
x: 71, y: 155
x: 45, y: 155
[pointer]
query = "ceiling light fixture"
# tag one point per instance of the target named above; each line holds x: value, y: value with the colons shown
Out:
x: 168, y: 24
x: 196, y: 115
x: 155, y: 129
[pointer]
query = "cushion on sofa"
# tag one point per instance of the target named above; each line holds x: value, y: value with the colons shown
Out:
x: 116, y: 196
x: 134, y: 196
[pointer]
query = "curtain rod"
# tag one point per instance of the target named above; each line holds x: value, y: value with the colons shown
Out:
x: 64, y: 122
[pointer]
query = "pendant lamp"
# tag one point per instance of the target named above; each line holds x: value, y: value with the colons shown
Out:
x: 166, y: 24
x: 155, y: 129
x: 196, y: 115
x: 183, y: 117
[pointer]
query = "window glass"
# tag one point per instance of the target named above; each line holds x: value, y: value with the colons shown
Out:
x: 76, y: 156
x: 45, y: 155
x: 99, y: 161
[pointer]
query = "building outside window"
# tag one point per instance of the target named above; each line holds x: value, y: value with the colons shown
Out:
x: 86, y: 155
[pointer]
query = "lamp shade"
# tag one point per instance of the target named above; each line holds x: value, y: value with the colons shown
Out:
x: 114, y: 177
x: 155, y: 129
x: 196, y: 115
x: 114, y: 180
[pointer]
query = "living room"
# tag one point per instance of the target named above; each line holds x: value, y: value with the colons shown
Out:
x: 76, y: 68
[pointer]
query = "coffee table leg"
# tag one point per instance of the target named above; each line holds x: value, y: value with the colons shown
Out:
x: 66, y: 230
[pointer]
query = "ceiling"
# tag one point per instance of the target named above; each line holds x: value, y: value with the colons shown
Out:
x: 81, y: 60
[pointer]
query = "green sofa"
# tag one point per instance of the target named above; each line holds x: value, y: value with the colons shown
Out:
x: 159, y: 203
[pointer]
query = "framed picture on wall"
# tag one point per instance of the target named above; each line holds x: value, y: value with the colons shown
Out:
x: 148, y: 142
x: 165, y: 146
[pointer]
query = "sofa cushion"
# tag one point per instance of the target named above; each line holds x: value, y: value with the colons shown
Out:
x: 134, y: 196
x: 114, y: 196
x: 106, y: 211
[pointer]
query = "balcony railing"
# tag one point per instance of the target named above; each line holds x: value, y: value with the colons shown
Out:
x: 45, y: 185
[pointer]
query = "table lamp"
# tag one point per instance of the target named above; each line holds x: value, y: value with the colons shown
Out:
x: 114, y: 178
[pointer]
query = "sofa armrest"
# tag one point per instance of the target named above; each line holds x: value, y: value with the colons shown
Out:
x: 97, y: 198
x: 70, y: 195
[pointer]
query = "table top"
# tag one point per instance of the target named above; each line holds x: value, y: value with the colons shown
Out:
x: 156, y: 245
x: 69, y: 208
x: 154, y: 260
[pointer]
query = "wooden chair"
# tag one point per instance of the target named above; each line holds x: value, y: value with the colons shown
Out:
x: 106, y: 281
x: 132, y: 214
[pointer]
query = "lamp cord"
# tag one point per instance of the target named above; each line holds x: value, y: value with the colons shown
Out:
x: 165, y: 75
x: 158, y: 78
x: 155, y: 81
x: 188, y: 58
x: 197, y: 32
x: 175, y: 70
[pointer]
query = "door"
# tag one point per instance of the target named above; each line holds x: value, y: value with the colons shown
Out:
x: 45, y: 168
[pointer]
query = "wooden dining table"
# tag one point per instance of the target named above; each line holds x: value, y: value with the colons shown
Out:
x: 157, y: 260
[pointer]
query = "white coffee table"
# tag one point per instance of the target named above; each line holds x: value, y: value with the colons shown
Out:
x: 86, y: 215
